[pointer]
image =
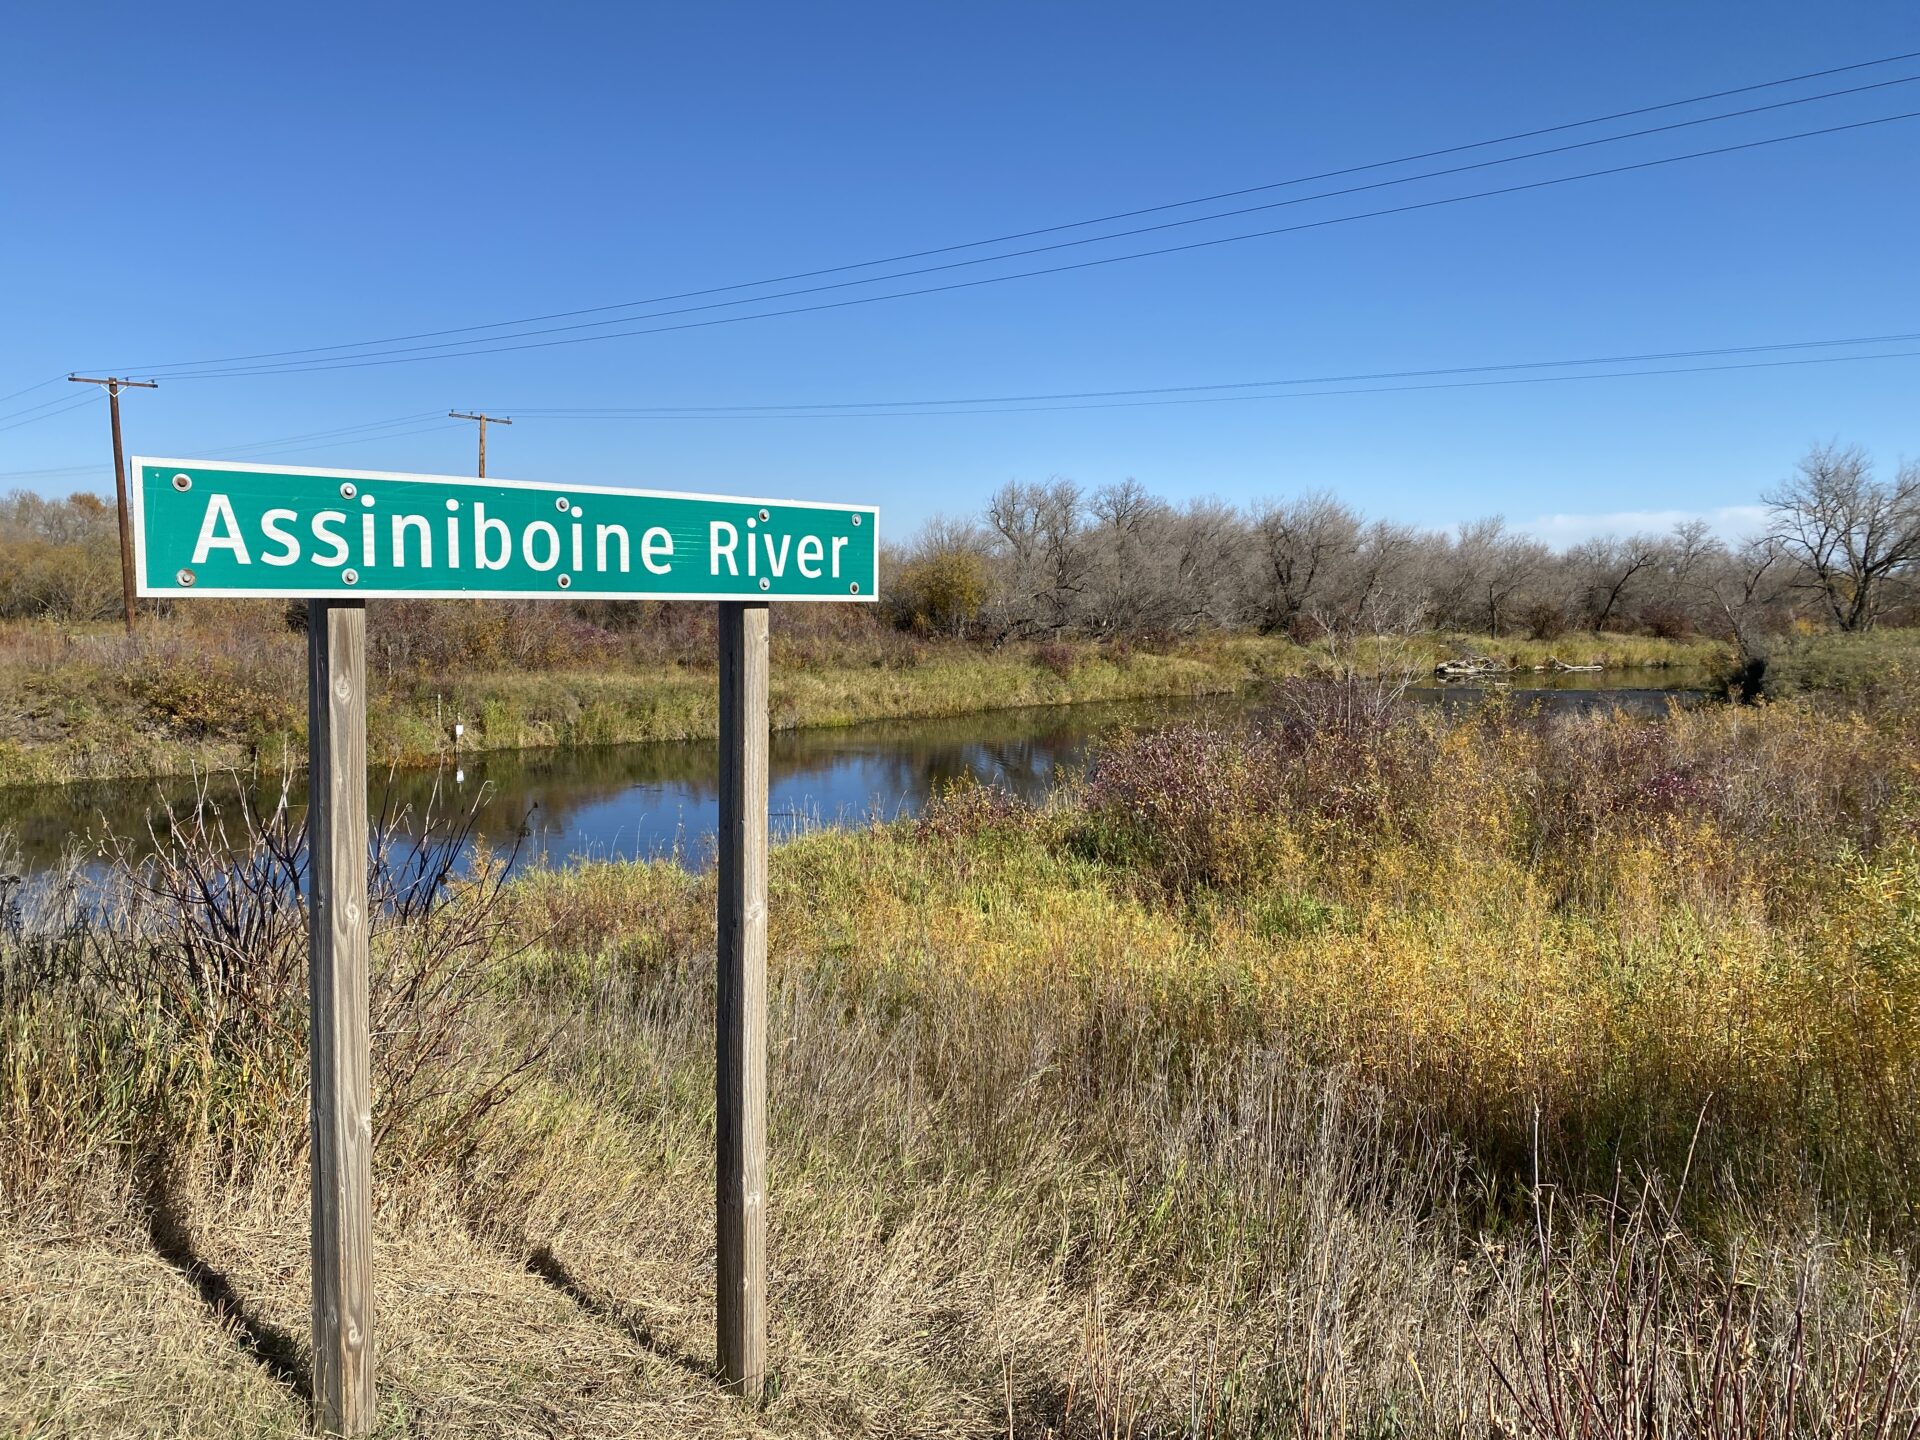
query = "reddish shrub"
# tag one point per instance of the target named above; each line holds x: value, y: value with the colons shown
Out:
x: 1058, y: 657
x: 1185, y: 804
x: 965, y: 808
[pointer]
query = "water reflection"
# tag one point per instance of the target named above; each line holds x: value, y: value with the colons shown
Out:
x: 643, y: 801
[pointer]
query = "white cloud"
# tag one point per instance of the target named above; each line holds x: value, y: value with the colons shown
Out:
x: 1730, y: 522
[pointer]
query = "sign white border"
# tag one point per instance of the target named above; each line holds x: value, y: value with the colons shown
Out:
x: 149, y: 591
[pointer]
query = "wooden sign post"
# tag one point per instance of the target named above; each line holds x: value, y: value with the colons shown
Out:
x: 740, y: 1077
x: 339, y: 1053
x: 342, y: 537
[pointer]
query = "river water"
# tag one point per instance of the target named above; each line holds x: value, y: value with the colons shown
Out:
x: 646, y: 801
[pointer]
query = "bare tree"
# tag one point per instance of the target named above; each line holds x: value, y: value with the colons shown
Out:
x: 1052, y: 560
x: 1206, y: 538
x: 1745, y: 588
x: 1675, y: 593
x: 1039, y: 536
x: 1691, y: 546
x: 1853, y: 537
x: 1127, y: 582
x: 1487, y: 575
x: 1297, y: 547
x: 1386, y: 572
x: 1365, y: 661
x: 1607, y: 572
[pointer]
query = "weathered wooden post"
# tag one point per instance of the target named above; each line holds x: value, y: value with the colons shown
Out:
x: 342, y: 1156
x: 741, y: 1032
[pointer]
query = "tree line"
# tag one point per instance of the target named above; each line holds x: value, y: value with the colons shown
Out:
x: 1841, y: 548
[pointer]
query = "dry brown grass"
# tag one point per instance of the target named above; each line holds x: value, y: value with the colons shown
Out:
x: 103, y: 1340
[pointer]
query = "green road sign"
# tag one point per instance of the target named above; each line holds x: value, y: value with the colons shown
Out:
x: 209, y: 527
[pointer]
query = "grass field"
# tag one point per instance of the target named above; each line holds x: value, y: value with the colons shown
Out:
x: 226, y: 687
x: 1541, y: 1077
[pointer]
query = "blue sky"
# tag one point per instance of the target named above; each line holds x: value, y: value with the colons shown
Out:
x: 191, y: 182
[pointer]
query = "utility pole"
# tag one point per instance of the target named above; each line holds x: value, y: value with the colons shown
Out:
x: 483, y: 419
x: 114, y: 386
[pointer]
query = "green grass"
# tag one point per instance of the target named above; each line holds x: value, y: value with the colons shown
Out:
x: 1840, y: 664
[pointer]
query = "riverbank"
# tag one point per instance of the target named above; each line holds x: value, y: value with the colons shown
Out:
x: 94, y: 704
x: 1270, y: 1082
x: 1847, y: 667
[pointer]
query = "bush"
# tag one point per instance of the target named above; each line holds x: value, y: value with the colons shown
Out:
x: 1185, y: 806
x: 61, y: 582
x: 215, y: 699
x: 940, y: 594
x: 1058, y: 657
x: 163, y: 1001
x: 451, y: 636
x: 966, y: 808
x: 59, y: 559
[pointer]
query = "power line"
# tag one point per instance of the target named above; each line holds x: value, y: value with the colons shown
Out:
x: 457, y: 347
x: 1055, y: 229
x: 1142, y: 404
x: 64, y: 406
x: 320, y: 439
x: 1006, y: 404
x: 640, y: 412
x: 49, y: 471
x: 1287, y: 395
x: 362, y: 440
x: 29, y: 389
x: 237, y: 452
x: 416, y: 416
x: 1411, y: 206
x: 58, y: 402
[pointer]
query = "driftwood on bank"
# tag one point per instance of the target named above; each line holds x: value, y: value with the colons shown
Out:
x: 1466, y: 667
x: 1470, y: 667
